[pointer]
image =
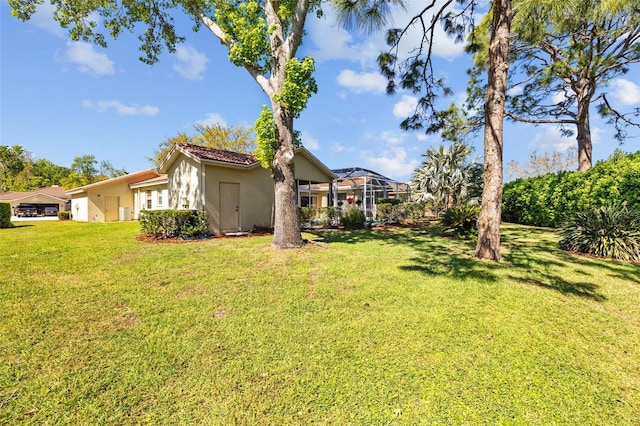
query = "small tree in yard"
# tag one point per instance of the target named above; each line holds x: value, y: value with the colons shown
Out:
x: 447, y: 177
x: 261, y: 36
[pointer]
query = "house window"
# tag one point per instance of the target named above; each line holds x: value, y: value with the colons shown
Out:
x: 149, y: 201
x: 159, y: 198
x: 308, y: 201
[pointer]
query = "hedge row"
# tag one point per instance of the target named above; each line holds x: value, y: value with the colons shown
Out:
x: 5, y: 215
x: 184, y: 224
x: 551, y: 199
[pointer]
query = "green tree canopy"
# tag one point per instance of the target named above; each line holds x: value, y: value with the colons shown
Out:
x: 229, y: 138
x: 563, y: 56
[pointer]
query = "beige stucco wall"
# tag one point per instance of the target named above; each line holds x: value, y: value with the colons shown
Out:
x: 256, y: 195
x: 90, y: 205
x: 185, y: 189
x: 306, y: 170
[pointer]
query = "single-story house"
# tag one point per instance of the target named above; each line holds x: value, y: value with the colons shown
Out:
x: 233, y: 188
x: 354, y: 185
x: 51, y: 196
x: 115, y: 199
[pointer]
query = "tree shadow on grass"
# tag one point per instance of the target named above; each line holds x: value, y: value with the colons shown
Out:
x: 17, y: 226
x: 530, y: 256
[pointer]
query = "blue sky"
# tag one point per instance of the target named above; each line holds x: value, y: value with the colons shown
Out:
x: 63, y: 99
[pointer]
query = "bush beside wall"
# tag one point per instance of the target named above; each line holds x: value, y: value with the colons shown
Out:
x: 164, y: 224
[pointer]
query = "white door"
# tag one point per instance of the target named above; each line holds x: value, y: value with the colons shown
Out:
x: 229, y: 207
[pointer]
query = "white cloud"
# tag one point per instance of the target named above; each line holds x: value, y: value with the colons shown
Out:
x: 43, y: 19
x: 371, y: 82
x: 309, y: 141
x: 626, y: 92
x: 338, y: 147
x: 190, y: 63
x: 406, y: 107
x: 514, y: 91
x: 332, y: 42
x: 212, y: 119
x: 551, y: 139
x: 121, y: 109
x: 87, y: 60
x: 596, y: 135
x: 393, y: 163
x: 443, y: 46
x: 559, y: 97
x: 392, y: 138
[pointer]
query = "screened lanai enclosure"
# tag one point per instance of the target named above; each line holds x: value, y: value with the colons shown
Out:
x: 353, y: 187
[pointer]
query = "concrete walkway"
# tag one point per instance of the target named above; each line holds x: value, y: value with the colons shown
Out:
x: 33, y: 219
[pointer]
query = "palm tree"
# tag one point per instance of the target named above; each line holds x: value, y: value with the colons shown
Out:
x: 447, y: 177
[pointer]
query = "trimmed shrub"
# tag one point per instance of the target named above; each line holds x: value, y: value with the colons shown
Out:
x: 185, y: 224
x: 64, y: 215
x: 413, y: 212
x: 461, y: 220
x: 306, y: 215
x: 352, y: 218
x: 5, y: 215
x: 389, y: 213
x: 331, y: 215
x: 609, y: 231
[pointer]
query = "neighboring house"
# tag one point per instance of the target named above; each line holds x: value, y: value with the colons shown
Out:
x: 354, y: 185
x: 109, y: 200
x: 150, y: 194
x: 51, y: 196
x: 234, y: 189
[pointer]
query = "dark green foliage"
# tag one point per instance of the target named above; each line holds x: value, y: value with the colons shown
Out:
x: 392, y: 201
x: 331, y: 215
x: 608, y: 231
x: 550, y: 199
x: 413, y: 212
x: 461, y: 220
x: 173, y: 223
x: 5, y: 215
x: 352, y: 218
x: 64, y: 215
x: 399, y: 212
x: 389, y: 213
x: 306, y: 215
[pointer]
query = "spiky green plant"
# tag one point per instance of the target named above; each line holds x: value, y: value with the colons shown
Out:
x: 609, y: 231
x: 461, y: 220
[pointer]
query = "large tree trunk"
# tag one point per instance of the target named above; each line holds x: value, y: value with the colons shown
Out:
x: 286, y: 232
x: 584, y: 132
x: 488, y: 246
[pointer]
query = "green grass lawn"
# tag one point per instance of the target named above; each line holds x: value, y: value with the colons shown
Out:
x: 365, y: 328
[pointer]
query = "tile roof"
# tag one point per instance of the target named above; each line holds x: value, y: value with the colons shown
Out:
x: 213, y: 154
x: 52, y: 191
x: 128, y: 178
